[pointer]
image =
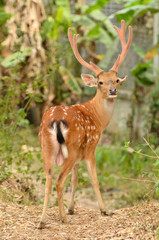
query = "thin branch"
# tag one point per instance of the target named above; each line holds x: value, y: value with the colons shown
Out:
x: 150, y: 147
x: 138, y: 180
x: 133, y: 151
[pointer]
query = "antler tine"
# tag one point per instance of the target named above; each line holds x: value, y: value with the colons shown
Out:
x: 125, y: 46
x: 73, y: 43
x: 70, y: 37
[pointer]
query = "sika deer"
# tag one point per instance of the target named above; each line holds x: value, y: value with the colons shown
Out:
x: 70, y: 134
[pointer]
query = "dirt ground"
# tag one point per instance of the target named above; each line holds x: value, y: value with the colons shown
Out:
x: 19, y: 222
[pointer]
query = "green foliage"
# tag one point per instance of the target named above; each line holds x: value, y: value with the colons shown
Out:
x: 16, y: 58
x: 144, y: 76
x: 134, y: 9
x: 89, y: 91
x: 154, y: 106
x: 119, y: 155
x: 143, y: 73
x: 4, y: 17
x: 12, y: 121
x: 47, y: 28
x: 153, y: 109
x: 97, y: 5
x: 70, y: 80
x: 98, y: 28
x: 117, y: 162
x: 64, y: 11
x: 54, y: 27
x: 157, y: 233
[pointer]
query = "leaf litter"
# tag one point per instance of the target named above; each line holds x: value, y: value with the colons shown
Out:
x: 20, y: 222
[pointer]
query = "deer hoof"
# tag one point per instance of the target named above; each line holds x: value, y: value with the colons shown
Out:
x: 106, y: 213
x: 64, y: 219
x: 70, y: 211
x: 41, y: 225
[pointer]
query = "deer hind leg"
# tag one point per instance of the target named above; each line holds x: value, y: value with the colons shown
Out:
x: 74, y: 185
x: 66, y: 168
x: 48, y: 152
x: 47, y: 192
x: 91, y: 165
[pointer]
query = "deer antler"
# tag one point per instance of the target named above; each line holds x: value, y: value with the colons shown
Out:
x: 125, y: 46
x: 73, y: 43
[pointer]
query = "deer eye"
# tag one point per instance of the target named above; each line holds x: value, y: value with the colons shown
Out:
x: 117, y: 81
x: 101, y: 83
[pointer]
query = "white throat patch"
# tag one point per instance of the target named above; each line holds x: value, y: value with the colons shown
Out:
x: 109, y: 106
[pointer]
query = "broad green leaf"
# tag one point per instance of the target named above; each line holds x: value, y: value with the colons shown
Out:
x: 156, y: 164
x: 128, y: 14
x: 63, y: 3
x: 4, y: 17
x: 130, y: 3
x: 21, y: 111
x: 59, y: 15
x: 146, y: 78
x: 47, y: 28
x: 127, y: 144
x: 142, y: 74
x: 66, y: 9
x: 140, y: 67
x: 110, y: 27
x: 100, y: 16
x: 37, y: 99
x: 94, y: 31
x: 16, y: 58
x: 97, y: 5
x: 83, y: 21
x: 70, y: 80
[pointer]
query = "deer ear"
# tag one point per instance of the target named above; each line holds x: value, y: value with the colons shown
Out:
x: 89, y: 80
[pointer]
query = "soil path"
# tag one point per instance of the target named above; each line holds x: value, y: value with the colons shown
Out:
x: 19, y: 222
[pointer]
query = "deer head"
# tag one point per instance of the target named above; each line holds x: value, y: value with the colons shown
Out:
x: 106, y: 82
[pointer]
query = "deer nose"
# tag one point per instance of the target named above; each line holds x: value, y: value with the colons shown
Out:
x: 112, y: 91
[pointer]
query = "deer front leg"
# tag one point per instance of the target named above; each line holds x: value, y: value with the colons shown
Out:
x: 91, y: 165
x: 74, y: 185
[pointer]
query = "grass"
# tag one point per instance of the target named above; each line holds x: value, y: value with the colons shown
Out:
x: 157, y: 234
x: 16, y: 191
x: 120, y: 173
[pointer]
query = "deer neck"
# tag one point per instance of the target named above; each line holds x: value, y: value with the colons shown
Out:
x: 102, y: 109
